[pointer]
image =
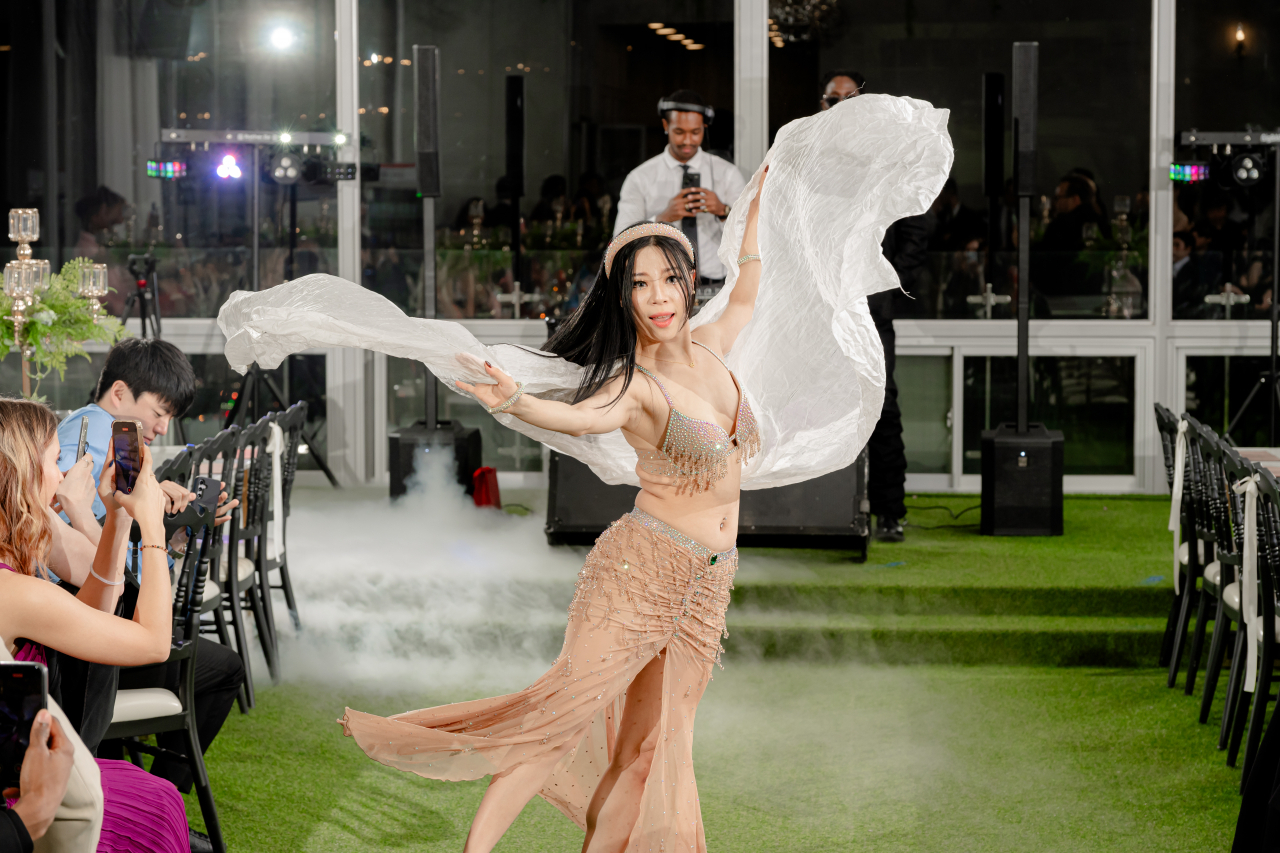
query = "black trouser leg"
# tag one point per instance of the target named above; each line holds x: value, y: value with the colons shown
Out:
x: 219, y: 674
x: 886, y: 454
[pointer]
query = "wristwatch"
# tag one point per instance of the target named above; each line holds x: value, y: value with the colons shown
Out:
x: 727, y: 208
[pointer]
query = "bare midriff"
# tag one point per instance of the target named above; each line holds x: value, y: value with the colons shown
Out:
x: 709, y: 517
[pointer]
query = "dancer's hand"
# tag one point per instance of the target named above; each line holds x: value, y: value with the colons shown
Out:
x: 750, y: 243
x: 491, y: 395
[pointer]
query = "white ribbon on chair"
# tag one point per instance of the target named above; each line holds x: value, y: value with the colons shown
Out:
x: 1175, y: 510
x: 1249, y: 577
x: 275, y: 533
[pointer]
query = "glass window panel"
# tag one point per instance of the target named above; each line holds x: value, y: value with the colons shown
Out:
x: 63, y: 394
x: 924, y: 396
x: 1225, y: 394
x: 125, y: 72
x: 1225, y: 81
x: 1088, y: 258
x: 503, y: 449
x: 1089, y: 399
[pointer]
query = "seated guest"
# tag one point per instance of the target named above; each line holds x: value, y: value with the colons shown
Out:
x: 553, y: 199
x: 1189, y: 287
x: 151, y: 381
x: 140, y: 812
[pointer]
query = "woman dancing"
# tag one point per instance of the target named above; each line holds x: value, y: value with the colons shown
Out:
x: 641, y: 392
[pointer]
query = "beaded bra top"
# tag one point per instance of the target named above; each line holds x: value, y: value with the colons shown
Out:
x: 696, y: 453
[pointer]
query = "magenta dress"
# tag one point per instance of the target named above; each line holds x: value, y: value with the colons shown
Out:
x: 141, y: 813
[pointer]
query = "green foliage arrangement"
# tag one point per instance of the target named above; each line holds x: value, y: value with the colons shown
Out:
x: 58, y: 325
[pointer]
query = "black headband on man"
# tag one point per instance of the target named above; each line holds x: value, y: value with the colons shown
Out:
x: 708, y: 113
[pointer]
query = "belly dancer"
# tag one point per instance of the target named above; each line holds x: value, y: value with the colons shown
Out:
x: 640, y: 390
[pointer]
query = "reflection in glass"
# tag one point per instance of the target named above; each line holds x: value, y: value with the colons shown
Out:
x: 924, y: 396
x: 1090, y: 399
x: 1218, y: 390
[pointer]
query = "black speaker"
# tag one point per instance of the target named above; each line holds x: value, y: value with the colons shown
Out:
x: 408, y: 445
x: 426, y: 87
x: 993, y: 134
x: 1021, y: 481
x: 515, y: 134
x: 825, y: 512
x: 1026, y: 84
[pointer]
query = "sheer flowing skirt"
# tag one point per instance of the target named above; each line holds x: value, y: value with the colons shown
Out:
x: 646, y: 590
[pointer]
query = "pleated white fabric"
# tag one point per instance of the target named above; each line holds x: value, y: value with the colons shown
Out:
x: 810, y: 360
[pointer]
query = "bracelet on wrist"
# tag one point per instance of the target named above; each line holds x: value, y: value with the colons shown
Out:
x: 742, y: 260
x: 510, y: 401
x: 104, y: 580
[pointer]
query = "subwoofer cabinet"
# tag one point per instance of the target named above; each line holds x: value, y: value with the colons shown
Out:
x: 830, y: 511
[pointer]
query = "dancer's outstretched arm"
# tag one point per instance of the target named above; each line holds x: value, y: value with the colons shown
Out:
x: 742, y: 299
x: 596, y: 415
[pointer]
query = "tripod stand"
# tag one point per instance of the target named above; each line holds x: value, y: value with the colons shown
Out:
x: 143, y: 270
x: 245, y: 410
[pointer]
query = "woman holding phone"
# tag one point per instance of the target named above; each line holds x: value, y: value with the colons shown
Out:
x: 141, y: 811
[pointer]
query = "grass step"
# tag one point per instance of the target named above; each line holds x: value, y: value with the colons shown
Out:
x: 826, y: 597
x: 1022, y: 640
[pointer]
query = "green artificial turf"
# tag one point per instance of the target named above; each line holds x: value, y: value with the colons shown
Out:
x: 1110, y: 542
x: 793, y: 757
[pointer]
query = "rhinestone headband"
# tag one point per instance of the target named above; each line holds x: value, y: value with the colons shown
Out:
x: 644, y: 229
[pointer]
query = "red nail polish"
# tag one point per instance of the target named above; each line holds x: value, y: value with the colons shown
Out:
x: 487, y: 364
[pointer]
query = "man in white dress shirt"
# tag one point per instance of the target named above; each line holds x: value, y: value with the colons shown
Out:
x: 656, y: 190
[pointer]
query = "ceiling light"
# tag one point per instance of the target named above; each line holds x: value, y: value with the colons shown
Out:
x: 340, y: 139
x: 694, y: 46
x: 655, y: 26
x: 686, y: 41
x: 676, y: 37
x: 282, y: 38
x: 666, y: 31
x: 286, y: 138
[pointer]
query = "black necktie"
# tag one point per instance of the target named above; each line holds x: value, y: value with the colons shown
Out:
x: 690, y: 223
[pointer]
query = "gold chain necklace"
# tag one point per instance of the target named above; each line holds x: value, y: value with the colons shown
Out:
x: 669, y: 361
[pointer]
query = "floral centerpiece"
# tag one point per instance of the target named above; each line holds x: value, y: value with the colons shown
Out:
x: 58, y: 322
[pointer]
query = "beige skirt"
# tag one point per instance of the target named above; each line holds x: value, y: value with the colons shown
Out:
x: 645, y: 590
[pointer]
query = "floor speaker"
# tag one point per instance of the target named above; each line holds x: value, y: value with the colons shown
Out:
x: 1021, y: 481
x: 409, y: 446
x: 826, y: 512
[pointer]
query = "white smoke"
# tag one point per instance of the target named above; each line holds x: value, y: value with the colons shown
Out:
x: 428, y: 590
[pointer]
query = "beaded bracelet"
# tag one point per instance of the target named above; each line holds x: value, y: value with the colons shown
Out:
x: 742, y: 260
x: 511, y: 401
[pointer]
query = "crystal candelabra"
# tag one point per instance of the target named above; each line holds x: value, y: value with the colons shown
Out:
x: 93, y: 286
x: 25, y: 277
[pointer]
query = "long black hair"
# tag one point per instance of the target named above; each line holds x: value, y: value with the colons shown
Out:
x: 602, y: 332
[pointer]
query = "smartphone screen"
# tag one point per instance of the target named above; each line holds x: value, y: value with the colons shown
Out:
x: 126, y: 440
x: 84, y: 439
x: 24, y: 690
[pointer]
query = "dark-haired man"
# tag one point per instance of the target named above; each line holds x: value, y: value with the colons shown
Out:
x: 655, y: 190
x: 904, y: 246
x: 150, y: 381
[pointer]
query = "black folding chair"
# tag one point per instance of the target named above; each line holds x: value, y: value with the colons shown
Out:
x: 1167, y: 426
x: 291, y: 423
x: 1267, y: 634
x: 1228, y: 559
x: 1197, y: 534
x: 150, y: 711
x: 1214, y: 489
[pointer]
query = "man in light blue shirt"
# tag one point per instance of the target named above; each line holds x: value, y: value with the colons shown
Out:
x: 147, y: 381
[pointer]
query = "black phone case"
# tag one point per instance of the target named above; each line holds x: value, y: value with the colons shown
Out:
x: 15, y: 721
x: 691, y: 179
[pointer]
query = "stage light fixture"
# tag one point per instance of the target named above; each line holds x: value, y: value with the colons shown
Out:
x: 228, y: 167
x: 286, y: 168
x: 1246, y: 169
x: 282, y: 38
x: 167, y: 170
x: 1188, y: 173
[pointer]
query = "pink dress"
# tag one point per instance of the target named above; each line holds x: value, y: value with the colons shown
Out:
x: 141, y: 813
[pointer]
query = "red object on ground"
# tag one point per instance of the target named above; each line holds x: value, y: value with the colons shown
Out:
x: 486, y: 493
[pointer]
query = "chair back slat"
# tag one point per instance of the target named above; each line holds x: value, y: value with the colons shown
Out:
x: 1167, y: 427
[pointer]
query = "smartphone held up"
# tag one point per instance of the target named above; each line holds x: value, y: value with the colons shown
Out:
x: 126, y: 442
x: 24, y: 691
